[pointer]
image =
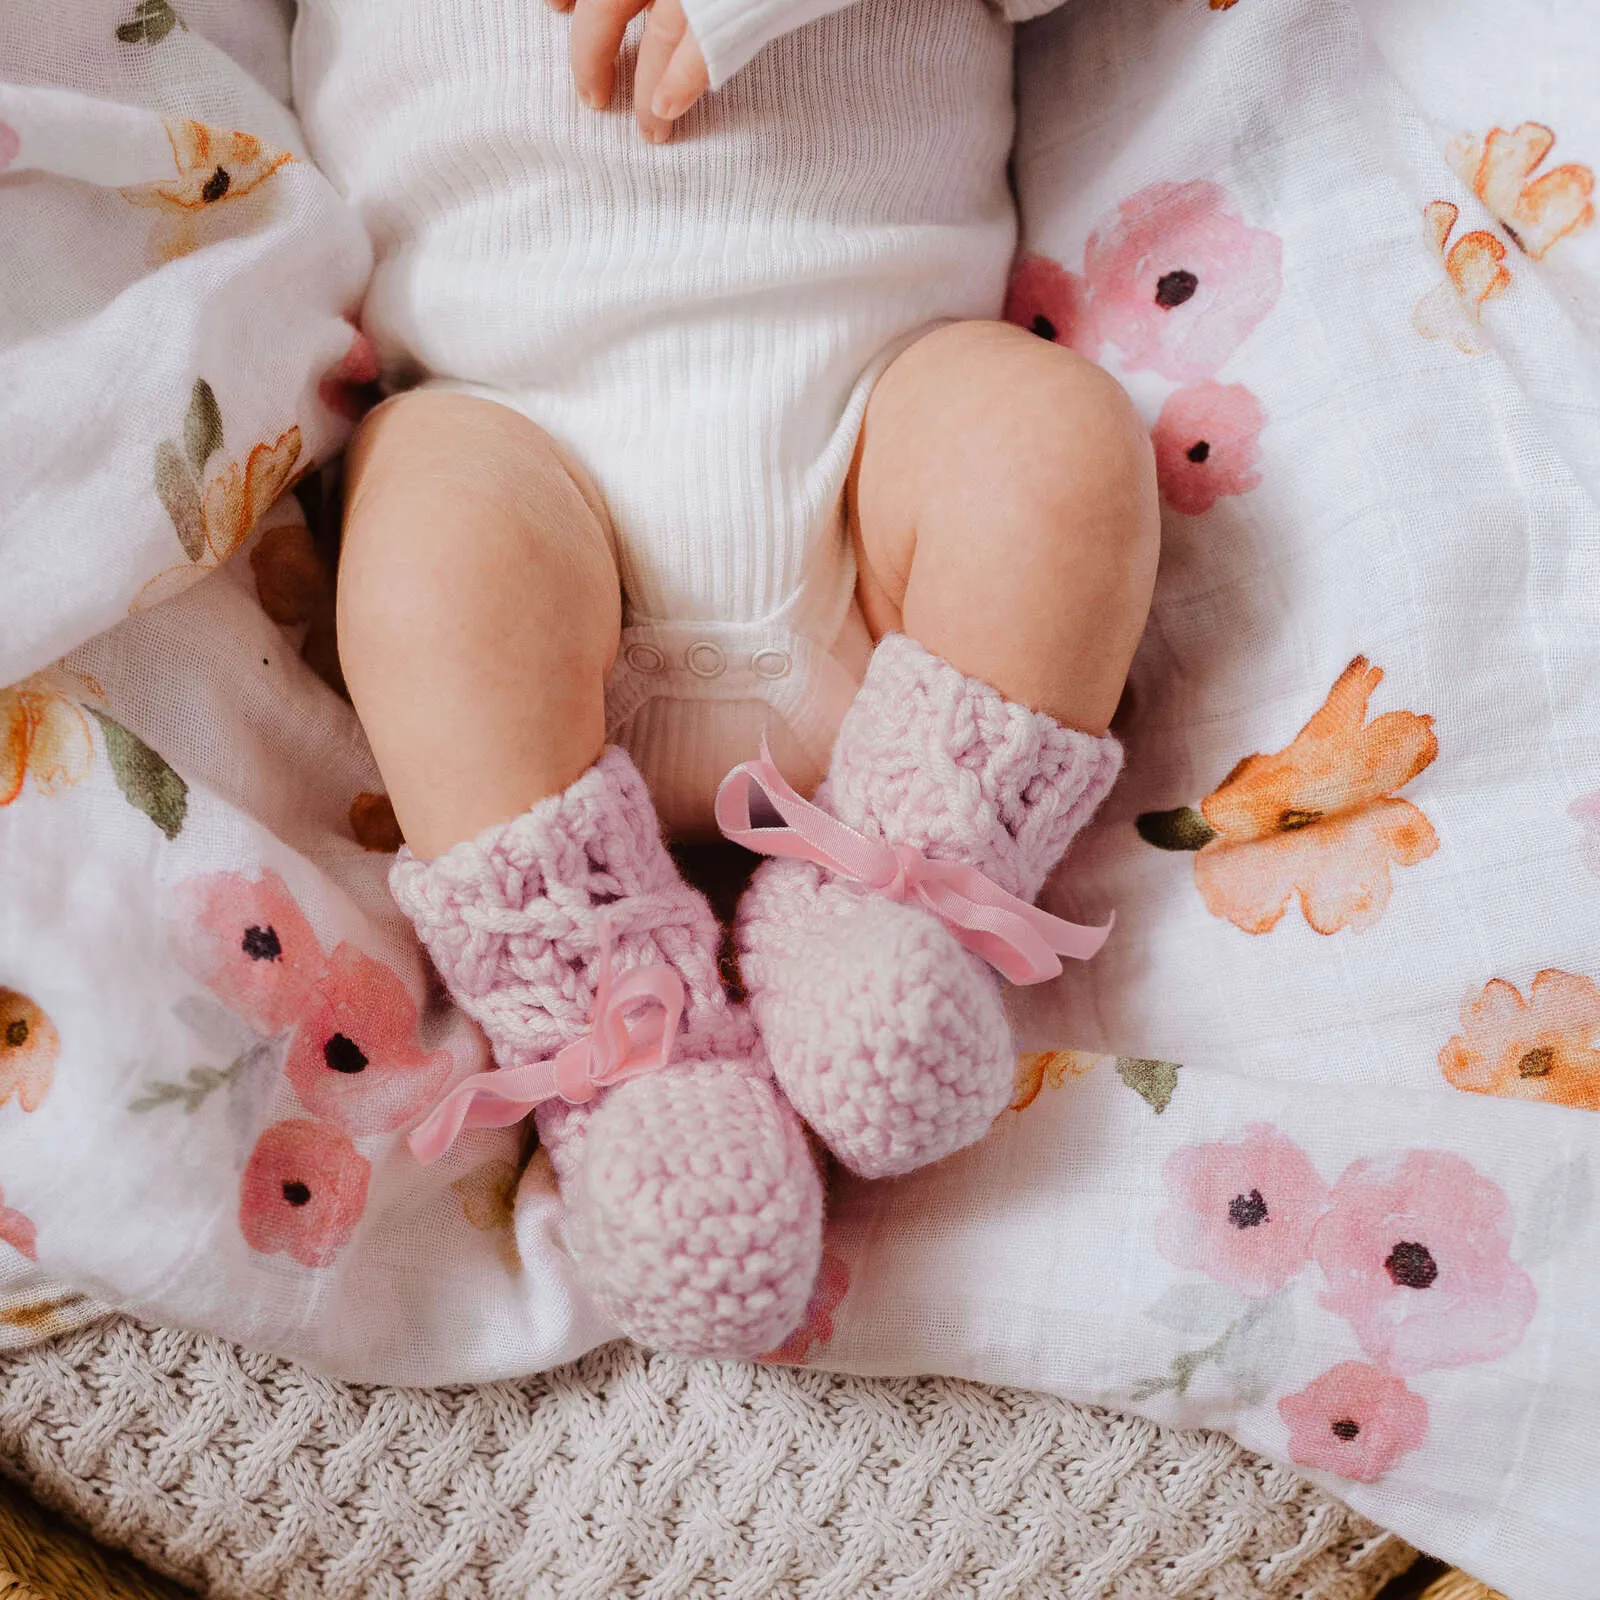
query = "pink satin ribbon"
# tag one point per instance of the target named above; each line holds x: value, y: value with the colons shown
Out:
x: 619, y: 1045
x: 1020, y: 941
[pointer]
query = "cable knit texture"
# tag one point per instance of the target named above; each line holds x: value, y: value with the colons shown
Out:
x: 628, y: 1476
x: 694, y: 1209
x: 889, y: 1038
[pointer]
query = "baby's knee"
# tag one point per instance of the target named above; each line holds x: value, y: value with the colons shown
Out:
x: 1055, y: 423
x: 1063, y: 456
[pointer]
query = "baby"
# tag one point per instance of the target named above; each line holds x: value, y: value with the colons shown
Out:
x: 706, y: 442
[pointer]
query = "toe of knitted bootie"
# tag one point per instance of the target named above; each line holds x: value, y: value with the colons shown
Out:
x: 694, y: 1206
x: 695, y: 1209
x: 886, y: 1035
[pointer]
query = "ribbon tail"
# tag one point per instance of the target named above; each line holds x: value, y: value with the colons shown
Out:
x: 1023, y: 943
x: 487, y: 1100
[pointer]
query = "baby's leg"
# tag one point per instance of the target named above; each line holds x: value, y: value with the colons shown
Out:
x: 1003, y: 506
x: 479, y: 615
x: 479, y: 612
x: 1004, y: 510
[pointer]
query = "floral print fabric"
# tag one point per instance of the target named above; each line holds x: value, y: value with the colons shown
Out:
x: 1309, y: 1154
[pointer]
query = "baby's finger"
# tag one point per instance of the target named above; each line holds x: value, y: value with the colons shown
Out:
x: 686, y: 78
x: 597, y: 30
x: 664, y: 28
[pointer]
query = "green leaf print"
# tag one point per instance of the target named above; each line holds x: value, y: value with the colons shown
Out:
x: 146, y: 781
x: 1250, y: 1349
x: 151, y: 22
x: 1182, y: 829
x: 1152, y: 1081
x: 180, y: 494
x: 202, y: 427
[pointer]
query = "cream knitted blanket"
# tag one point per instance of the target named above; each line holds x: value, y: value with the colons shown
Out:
x: 635, y: 1475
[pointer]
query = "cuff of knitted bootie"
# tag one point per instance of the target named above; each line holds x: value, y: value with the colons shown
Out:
x: 548, y: 873
x: 930, y: 757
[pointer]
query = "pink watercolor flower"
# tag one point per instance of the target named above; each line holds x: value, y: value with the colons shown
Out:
x: 1355, y: 1420
x: 1046, y: 299
x: 354, y: 1059
x: 1417, y: 1253
x: 1177, y: 279
x: 1242, y: 1212
x: 833, y: 1283
x: 10, y: 144
x: 347, y: 389
x: 302, y: 1193
x: 248, y: 942
x: 1207, y: 442
x: 17, y: 1231
x: 1586, y: 813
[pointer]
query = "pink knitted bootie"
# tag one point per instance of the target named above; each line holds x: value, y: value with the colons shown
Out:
x: 887, y: 1033
x: 694, y: 1206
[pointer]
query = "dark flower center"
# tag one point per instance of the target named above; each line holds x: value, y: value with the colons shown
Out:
x: 1345, y: 1428
x: 1044, y: 327
x: 296, y: 1193
x: 1538, y: 1063
x: 1198, y: 451
x: 1247, y: 1210
x: 1294, y: 818
x: 344, y: 1054
x: 262, y: 944
x: 1173, y: 288
x: 17, y: 1033
x: 1412, y: 1266
x: 217, y: 185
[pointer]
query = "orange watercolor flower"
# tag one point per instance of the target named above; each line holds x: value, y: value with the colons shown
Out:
x: 218, y: 173
x: 1038, y: 1068
x: 29, y: 1049
x: 1474, y: 273
x: 231, y: 505
x: 212, y: 165
x: 374, y: 824
x: 1546, y: 1047
x: 44, y: 735
x: 1319, y: 819
x: 816, y: 1327
x: 1534, y: 211
x: 488, y: 1195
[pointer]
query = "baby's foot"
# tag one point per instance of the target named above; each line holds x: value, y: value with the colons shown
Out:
x: 694, y: 1207
x: 887, y: 1034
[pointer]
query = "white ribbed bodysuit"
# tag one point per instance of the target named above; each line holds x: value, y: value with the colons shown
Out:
x: 699, y: 324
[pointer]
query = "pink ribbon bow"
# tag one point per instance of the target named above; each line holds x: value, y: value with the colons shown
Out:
x: 619, y: 1045
x: 1022, y: 942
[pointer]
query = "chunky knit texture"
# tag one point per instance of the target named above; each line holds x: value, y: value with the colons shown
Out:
x: 694, y: 1208
x: 889, y: 1038
x: 629, y: 1476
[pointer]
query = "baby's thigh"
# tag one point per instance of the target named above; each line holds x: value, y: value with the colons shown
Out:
x: 1004, y: 509
x: 479, y: 611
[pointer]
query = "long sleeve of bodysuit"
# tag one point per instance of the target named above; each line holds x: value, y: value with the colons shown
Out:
x: 730, y: 32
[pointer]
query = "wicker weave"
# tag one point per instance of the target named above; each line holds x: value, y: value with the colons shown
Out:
x: 1458, y: 1586
x: 41, y: 1558
x: 629, y: 1475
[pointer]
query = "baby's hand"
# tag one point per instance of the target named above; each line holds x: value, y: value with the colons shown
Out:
x: 671, y: 72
